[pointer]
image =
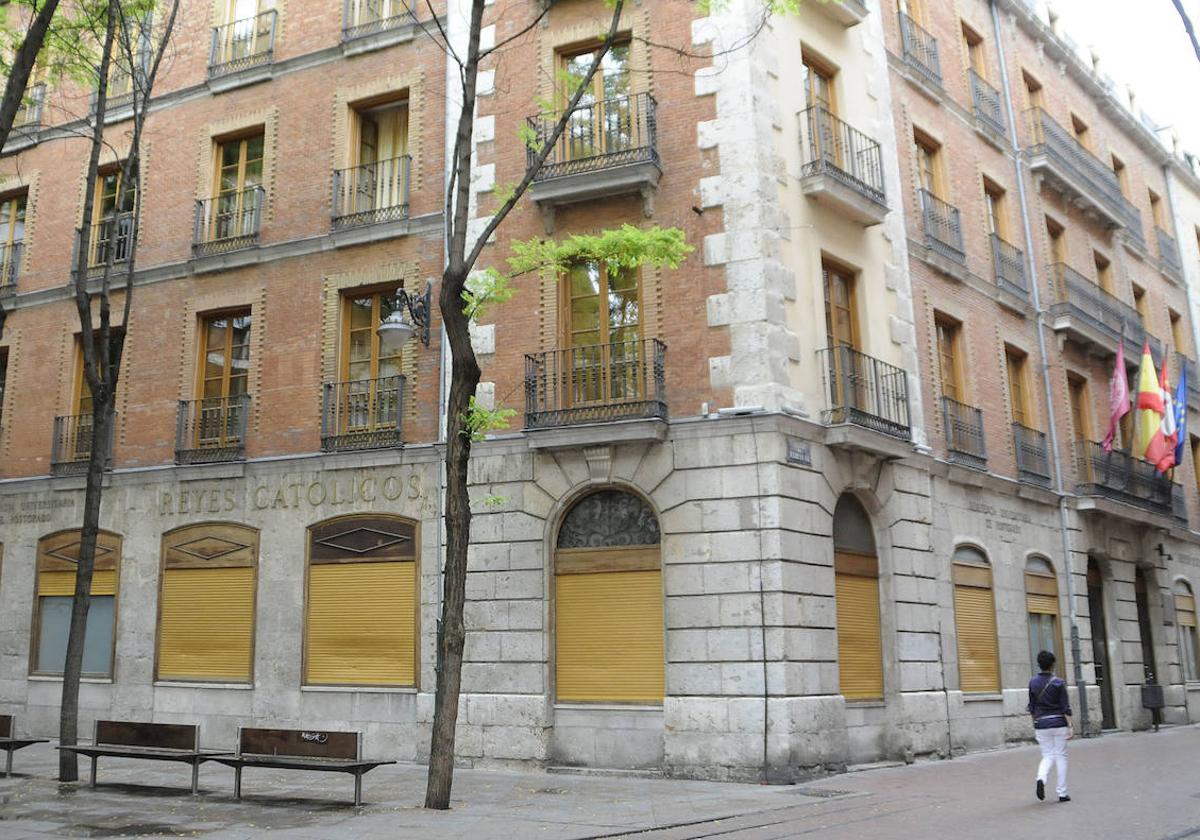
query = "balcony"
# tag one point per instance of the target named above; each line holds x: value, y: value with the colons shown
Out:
x: 371, y: 19
x: 110, y: 238
x: 963, y: 425
x: 211, y: 430
x: 1088, y: 314
x: 228, y: 222
x: 71, y: 447
x: 942, y: 227
x: 1120, y: 477
x: 362, y: 414
x: 1033, y: 455
x: 841, y: 167
x: 846, y: 12
x: 987, y: 108
x: 11, y: 255
x: 865, y: 392
x: 599, y: 384
x: 242, y: 45
x: 371, y: 193
x: 1008, y: 267
x: 1078, y: 175
x: 1168, y: 254
x: 920, y: 51
x: 608, y: 148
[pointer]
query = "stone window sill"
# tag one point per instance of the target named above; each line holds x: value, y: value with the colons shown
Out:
x: 198, y: 684
x: 606, y: 707
x: 58, y: 678
x: 358, y: 689
x: 982, y: 698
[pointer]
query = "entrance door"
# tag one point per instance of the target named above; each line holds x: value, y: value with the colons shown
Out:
x: 1100, y: 645
x: 1142, y: 597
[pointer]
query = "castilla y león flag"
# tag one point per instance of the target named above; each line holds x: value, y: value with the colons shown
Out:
x: 1149, y: 413
x: 1163, y: 444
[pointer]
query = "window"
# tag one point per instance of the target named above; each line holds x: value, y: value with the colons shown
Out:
x: 112, y: 218
x: 1018, y: 393
x: 608, y: 602
x: 57, y: 560
x: 1178, y: 333
x: 997, y: 211
x: 1139, y: 303
x: 1156, y: 210
x: 12, y: 236
x: 224, y: 381
x: 916, y: 10
x: 1034, y: 97
x: 370, y: 395
x: 948, y: 356
x: 607, y: 116
x: 973, y: 50
x: 1118, y: 167
x: 929, y: 172
x: 602, y: 332
x: 1103, y: 271
x: 237, y: 187
x: 379, y: 177
x: 3, y: 380
x: 818, y: 84
x: 975, y: 622
x: 1041, y: 604
x: 206, y: 603
x: 841, y: 315
x: 1141, y: 597
x: 1185, y: 619
x: 1058, y: 241
x: 361, y: 611
x: 856, y: 596
x: 1081, y: 415
x: 1195, y: 444
x: 1081, y: 131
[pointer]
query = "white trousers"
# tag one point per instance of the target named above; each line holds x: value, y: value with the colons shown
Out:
x: 1054, y: 751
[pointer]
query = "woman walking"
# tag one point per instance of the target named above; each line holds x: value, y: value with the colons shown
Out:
x: 1051, y: 711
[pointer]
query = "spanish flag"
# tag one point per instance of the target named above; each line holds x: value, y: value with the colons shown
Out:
x: 1149, y: 412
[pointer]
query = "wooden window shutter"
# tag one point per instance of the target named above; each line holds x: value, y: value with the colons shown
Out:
x: 975, y: 622
x: 58, y: 557
x: 361, y: 618
x: 609, y: 637
x: 1041, y: 594
x: 1185, y: 610
x: 860, y: 644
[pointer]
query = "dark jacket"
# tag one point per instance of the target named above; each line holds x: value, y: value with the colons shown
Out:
x: 1048, y: 701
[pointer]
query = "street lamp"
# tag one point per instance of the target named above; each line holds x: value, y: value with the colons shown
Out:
x: 395, y: 330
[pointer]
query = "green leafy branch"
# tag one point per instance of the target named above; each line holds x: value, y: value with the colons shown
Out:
x: 480, y: 420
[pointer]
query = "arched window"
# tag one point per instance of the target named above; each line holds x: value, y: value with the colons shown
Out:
x: 975, y: 622
x: 856, y: 588
x: 361, y: 610
x: 57, y: 560
x: 1185, y: 620
x: 608, y: 602
x: 1041, y: 606
x: 206, y: 603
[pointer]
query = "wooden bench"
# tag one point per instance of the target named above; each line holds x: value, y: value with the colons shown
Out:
x: 295, y: 749
x: 10, y: 744
x: 156, y: 741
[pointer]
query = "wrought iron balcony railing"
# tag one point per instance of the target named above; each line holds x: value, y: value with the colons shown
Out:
x: 963, y: 425
x: 1082, y: 170
x: 1008, y: 264
x: 1118, y: 475
x: 865, y: 391
x: 362, y: 414
x: 599, y: 383
x: 29, y: 115
x: 11, y: 255
x: 1033, y: 455
x: 242, y: 44
x: 228, y: 222
x: 71, y: 448
x: 1168, y: 252
x: 920, y: 51
x: 361, y: 18
x: 211, y: 429
x: 371, y: 192
x: 832, y: 147
x: 1076, y: 296
x: 986, y: 103
x: 111, y: 237
x: 943, y: 227
x: 600, y: 135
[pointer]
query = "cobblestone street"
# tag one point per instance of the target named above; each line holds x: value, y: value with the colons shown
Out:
x: 979, y: 796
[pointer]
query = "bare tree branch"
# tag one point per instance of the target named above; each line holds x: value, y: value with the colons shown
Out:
x: 1187, y: 24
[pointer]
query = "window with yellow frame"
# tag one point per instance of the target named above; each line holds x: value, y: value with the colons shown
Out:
x: 57, y: 563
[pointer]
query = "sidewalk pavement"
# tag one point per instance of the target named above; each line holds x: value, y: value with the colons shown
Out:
x: 1142, y: 786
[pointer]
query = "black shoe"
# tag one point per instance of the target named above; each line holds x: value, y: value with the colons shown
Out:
x: 1064, y: 799
x: 1041, y: 789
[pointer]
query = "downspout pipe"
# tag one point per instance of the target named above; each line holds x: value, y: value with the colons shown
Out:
x: 1051, y: 421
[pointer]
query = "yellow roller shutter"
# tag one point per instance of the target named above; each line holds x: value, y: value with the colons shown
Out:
x: 361, y: 624
x: 609, y: 637
x: 1185, y: 610
x: 104, y: 582
x: 207, y: 624
x: 978, y: 654
x: 860, y: 659
x: 1041, y: 604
